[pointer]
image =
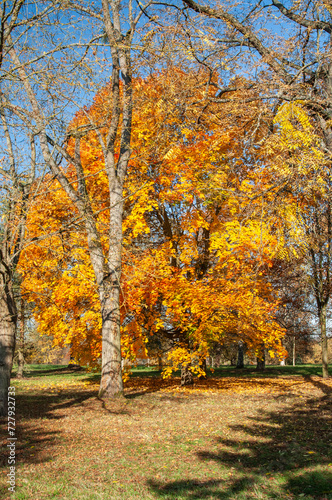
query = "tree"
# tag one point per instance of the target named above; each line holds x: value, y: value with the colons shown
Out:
x: 194, y: 263
x: 307, y: 217
x: 43, y: 93
x: 295, y: 313
x: 294, y: 67
x: 17, y: 186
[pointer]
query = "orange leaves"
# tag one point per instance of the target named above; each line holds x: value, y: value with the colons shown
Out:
x: 193, y: 266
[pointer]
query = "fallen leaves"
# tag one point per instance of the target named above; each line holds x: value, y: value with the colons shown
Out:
x: 240, y: 385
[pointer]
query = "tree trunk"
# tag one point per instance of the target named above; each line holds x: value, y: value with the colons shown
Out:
x: 8, y: 320
x: 261, y: 359
x: 20, y: 341
x: 186, y: 375
x: 240, y: 355
x: 111, y: 375
x: 294, y: 350
x: 325, y: 353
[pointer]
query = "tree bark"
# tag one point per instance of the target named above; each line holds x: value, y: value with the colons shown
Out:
x: 8, y: 321
x: 20, y: 341
x: 240, y: 355
x: 186, y: 375
x: 111, y: 383
x: 325, y: 353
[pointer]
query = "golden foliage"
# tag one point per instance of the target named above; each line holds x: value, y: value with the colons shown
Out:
x: 195, y: 265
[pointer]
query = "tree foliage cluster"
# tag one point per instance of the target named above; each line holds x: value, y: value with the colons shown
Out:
x: 195, y: 261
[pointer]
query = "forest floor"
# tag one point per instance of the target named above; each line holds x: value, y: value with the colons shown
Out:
x: 237, y: 435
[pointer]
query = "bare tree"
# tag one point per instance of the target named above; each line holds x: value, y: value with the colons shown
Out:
x: 17, y: 188
x: 19, y: 170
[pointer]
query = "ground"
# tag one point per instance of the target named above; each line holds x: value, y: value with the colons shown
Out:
x: 236, y: 436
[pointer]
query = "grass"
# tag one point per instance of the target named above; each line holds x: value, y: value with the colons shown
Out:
x: 238, y: 435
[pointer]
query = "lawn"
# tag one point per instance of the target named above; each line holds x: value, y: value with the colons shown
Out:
x: 237, y: 435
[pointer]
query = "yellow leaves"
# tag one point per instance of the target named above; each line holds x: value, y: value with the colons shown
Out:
x: 191, y: 261
x: 142, y: 203
x: 172, y: 153
x: 182, y: 357
x: 296, y: 136
x: 290, y: 112
x: 187, y: 132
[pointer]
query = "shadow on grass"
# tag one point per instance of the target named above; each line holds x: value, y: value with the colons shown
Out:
x: 136, y: 387
x: 153, y: 373
x: 35, y: 417
x: 270, y: 371
x: 34, y: 443
x: 279, y: 454
x: 50, y: 371
x: 232, y: 372
x: 216, y: 489
x: 319, y: 384
x: 315, y: 484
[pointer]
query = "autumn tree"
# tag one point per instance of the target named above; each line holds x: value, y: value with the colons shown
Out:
x: 47, y: 92
x: 295, y: 312
x: 300, y: 159
x: 194, y: 259
x: 292, y: 58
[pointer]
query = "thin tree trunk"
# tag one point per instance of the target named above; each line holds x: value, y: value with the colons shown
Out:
x: 325, y: 354
x: 240, y: 355
x: 294, y: 350
x: 8, y: 319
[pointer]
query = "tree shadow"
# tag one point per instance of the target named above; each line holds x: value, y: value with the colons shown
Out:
x: 286, y: 452
x: 197, y: 490
x: 319, y: 384
x: 45, y: 372
x: 269, y: 371
x: 35, y: 413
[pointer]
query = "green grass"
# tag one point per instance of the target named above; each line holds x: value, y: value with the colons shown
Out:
x: 222, y: 371
x: 251, y: 437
